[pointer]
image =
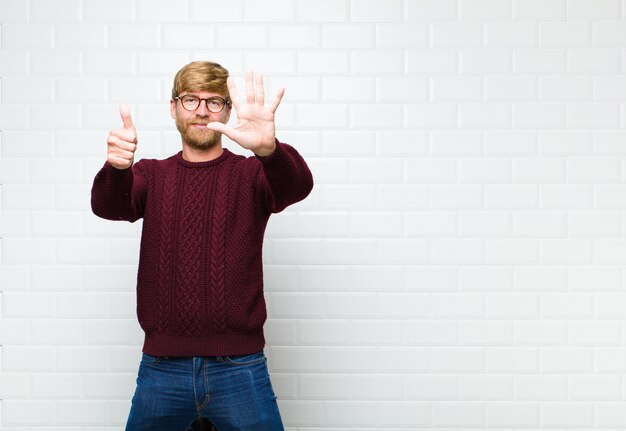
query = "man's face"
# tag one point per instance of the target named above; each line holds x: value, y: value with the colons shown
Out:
x: 192, y: 124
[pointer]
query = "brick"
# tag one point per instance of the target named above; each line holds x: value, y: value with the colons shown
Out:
x: 609, y: 34
x: 540, y: 61
x: 484, y: 171
x: 457, y: 35
x: 513, y: 414
x: 388, y: 116
x: 433, y: 169
x: 378, y: 387
x: 161, y: 62
x: 540, y: 224
x: 13, y: 171
x: 430, y: 223
x: 322, y: 10
x: 188, y: 36
x: 610, y: 414
x: 432, y: 62
x: 272, y: 10
x: 566, y: 196
x: 302, y: 413
x: 370, y: 278
x: 594, y: 388
x: 432, y: 333
x: 216, y: 11
x: 597, y: 169
x: 294, y: 36
x: 29, y: 412
x: 539, y: 279
x: 55, y: 117
x: 570, y: 251
x: 566, y: 360
x: 162, y: 11
x: 486, y: 61
x: 454, y: 143
x: 509, y: 142
x: 484, y: 224
x: 55, y: 386
x: 233, y: 36
x: 55, y: 63
x: 464, y: 306
x: 512, y: 306
x: 113, y: 11
x: 597, y: 224
x: 137, y: 36
x: 13, y: 117
x: 511, y: 197
x: 377, y: 62
x: 565, y: 34
x: 485, y: 333
x: 538, y: 170
x: 559, y: 414
x: 135, y: 89
x: 593, y: 61
x: 79, y: 36
x: 512, y: 360
x: 373, y: 11
x: 453, y: 414
x: 592, y: 278
x: 550, y: 333
x: 322, y: 333
x: 376, y: 223
x: 461, y: 89
x: 539, y: 9
x: 83, y: 412
x: 24, y: 37
x: 431, y: 116
x: 538, y: 387
x: 457, y: 196
x: 539, y: 115
x: 510, y: 89
x: 561, y: 142
x: 27, y: 90
x: 55, y: 11
x: 485, y: 115
x: 510, y: 35
x: 284, y: 359
x: 408, y: 251
x: 13, y: 63
x: 349, y: 413
x: 432, y: 10
x: 14, y: 11
x: 603, y: 9
x: 489, y: 387
x: 402, y: 35
x: 594, y: 333
x: 323, y: 386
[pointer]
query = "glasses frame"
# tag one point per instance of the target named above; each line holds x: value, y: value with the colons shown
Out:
x: 226, y: 102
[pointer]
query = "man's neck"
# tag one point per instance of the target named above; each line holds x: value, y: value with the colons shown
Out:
x: 199, y: 155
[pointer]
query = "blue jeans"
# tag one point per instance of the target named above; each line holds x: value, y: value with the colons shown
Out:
x: 234, y: 393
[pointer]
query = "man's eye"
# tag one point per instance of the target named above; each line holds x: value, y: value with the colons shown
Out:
x: 191, y: 99
x: 215, y: 103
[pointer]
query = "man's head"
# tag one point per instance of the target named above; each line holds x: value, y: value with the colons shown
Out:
x: 202, y: 79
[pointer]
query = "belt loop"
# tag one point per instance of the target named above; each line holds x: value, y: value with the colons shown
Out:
x: 219, y: 359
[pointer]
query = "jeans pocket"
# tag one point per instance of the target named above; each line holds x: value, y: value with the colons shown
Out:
x: 241, y: 360
x: 147, y: 359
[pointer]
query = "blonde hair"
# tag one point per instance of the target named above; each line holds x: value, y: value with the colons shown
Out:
x: 201, y: 76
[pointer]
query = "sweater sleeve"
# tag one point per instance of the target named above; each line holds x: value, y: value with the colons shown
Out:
x: 119, y: 194
x: 286, y: 177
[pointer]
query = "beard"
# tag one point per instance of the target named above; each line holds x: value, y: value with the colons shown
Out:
x: 201, y: 139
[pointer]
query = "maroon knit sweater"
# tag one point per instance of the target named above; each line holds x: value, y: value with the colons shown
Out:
x: 200, y: 276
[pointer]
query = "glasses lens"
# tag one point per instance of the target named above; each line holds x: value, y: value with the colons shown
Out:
x: 215, y: 105
x: 190, y: 103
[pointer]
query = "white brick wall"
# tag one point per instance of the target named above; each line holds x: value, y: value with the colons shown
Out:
x: 459, y: 264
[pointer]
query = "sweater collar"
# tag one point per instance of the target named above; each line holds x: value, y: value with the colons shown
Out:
x: 179, y: 157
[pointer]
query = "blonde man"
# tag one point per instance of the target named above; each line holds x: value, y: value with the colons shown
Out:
x: 200, y: 279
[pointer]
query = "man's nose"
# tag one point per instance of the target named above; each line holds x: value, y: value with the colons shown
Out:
x: 203, y: 109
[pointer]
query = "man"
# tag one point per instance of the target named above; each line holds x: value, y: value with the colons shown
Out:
x: 200, y: 281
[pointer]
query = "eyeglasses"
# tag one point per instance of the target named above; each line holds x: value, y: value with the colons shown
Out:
x: 214, y: 104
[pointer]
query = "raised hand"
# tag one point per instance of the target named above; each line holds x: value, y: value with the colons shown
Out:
x: 255, y: 128
x: 122, y: 143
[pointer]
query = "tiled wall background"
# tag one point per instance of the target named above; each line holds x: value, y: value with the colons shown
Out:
x: 459, y: 265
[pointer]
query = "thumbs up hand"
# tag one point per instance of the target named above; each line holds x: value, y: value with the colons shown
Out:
x: 122, y: 143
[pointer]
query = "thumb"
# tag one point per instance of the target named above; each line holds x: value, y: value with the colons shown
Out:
x: 218, y: 127
x: 126, y: 118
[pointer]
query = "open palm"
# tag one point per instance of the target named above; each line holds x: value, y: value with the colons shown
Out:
x: 255, y: 129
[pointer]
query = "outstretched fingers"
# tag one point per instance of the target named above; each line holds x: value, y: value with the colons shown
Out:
x: 277, y: 99
x: 260, y: 91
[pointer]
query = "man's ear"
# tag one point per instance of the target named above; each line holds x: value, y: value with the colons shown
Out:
x: 173, y: 108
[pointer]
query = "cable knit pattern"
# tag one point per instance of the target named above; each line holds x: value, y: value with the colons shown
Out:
x: 199, y: 284
x: 218, y: 243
